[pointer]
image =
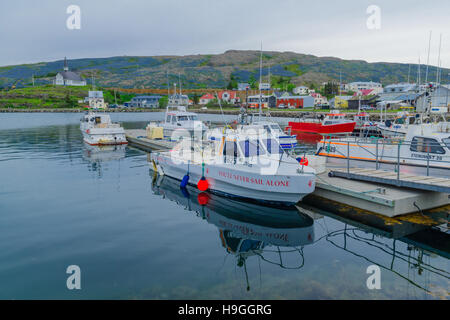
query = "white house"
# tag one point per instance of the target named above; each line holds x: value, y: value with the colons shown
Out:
x: 178, y: 100
x: 206, y: 98
x: 364, y: 85
x: 319, y: 99
x: 95, y: 100
x: 302, y: 90
x: 68, y: 78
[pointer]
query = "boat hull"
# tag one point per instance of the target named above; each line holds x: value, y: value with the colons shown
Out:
x: 317, y: 127
x: 228, y: 181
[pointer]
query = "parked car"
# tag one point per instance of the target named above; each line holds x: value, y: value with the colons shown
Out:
x: 366, y: 107
x: 281, y: 106
x: 112, y: 106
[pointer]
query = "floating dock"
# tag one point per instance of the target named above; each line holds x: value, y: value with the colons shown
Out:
x: 138, y: 138
x: 384, y: 199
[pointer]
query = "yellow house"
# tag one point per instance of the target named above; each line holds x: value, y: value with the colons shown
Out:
x: 341, y: 102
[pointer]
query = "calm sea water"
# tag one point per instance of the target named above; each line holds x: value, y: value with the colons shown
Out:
x: 136, y: 236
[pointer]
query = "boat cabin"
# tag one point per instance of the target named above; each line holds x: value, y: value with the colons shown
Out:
x: 334, y: 118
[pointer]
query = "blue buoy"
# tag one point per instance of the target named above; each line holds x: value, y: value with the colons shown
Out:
x: 185, y: 181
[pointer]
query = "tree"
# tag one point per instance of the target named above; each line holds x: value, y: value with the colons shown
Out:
x: 163, y: 102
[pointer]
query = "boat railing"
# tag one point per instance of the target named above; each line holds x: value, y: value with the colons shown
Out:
x: 435, y: 154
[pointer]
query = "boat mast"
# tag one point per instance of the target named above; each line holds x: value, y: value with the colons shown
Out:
x: 428, y: 59
x: 439, y: 60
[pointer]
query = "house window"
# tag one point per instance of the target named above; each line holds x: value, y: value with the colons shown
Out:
x: 426, y: 145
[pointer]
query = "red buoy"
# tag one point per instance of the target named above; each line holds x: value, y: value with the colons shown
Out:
x: 304, y: 161
x: 203, y: 184
x: 203, y: 198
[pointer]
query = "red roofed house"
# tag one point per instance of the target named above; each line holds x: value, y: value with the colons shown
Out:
x: 206, y: 98
x: 364, y: 92
x: 228, y: 96
x: 318, y: 99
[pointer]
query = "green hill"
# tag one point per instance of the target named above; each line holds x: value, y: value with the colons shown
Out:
x: 212, y: 71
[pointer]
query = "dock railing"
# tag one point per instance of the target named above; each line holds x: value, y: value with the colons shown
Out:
x: 423, y: 152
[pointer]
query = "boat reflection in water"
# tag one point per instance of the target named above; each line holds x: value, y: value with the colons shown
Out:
x: 96, y: 155
x: 246, y: 229
x: 279, y: 235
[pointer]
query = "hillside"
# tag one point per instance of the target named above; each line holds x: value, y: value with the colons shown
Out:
x: 212, y: 71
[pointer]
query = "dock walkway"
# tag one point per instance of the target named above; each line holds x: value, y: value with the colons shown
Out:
x: 405, y: 180
x: 138, y: 138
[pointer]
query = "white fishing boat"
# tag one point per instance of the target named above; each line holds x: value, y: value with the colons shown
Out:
x: 399, y: 126
x: 178, y: 122
x: 238, y: 164
x: 425, y: 145
x: 98, y: 129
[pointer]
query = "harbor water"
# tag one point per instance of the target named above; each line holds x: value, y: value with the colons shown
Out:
x: 139, y: 236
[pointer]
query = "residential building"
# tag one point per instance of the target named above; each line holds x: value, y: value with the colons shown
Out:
x: 302, y: 90
x: 242, y: 86
x: 339, y: 102
x: 296, y: 101
x: 206, y: 98
x: 266, y: 101
x: 401, y: 87
x: 361, y: 85
x: 318, y: 99
x: 68, y: 78
x: 178, y: 100
x: 228, y: 96
x: 151, y: 102
x: 264, y: 86
x: 364, y: 92
x: 95, y: 100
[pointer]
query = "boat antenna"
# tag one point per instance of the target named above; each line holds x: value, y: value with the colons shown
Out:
x: 260, y: 80
x: 428, y: 58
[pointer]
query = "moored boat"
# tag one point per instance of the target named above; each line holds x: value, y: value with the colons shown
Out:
x: 425, y: 145
x: 333, y: 123
x: 238, y: 164
x: 98, y: 129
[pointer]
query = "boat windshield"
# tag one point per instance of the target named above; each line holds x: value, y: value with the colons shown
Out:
x: 447, y: 142
x: 251, y: 148
x: 272, y: 146
x: 182, y: 118
x: 193, y: 117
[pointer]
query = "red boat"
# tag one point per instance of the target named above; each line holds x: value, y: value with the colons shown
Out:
x: 334, y: 123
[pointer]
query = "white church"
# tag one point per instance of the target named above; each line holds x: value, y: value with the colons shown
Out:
x: 68, y: 78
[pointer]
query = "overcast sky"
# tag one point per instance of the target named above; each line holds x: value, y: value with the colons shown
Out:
x: 34, y: 31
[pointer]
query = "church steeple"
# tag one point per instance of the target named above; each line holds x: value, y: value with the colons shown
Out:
x: 66, y: 67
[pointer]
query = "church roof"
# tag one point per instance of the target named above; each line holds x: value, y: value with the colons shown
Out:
x: 69, y: 75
